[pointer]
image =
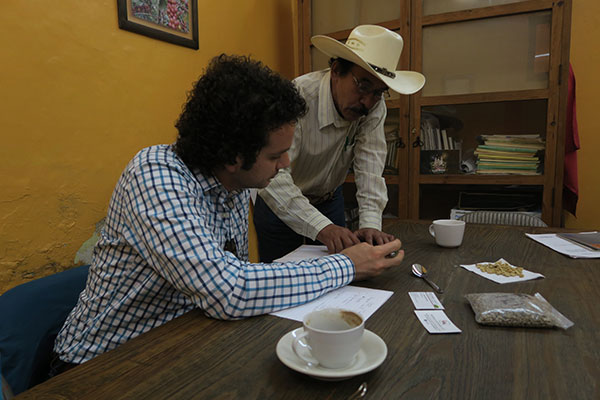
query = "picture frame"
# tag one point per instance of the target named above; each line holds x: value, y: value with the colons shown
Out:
x: 173, y: 21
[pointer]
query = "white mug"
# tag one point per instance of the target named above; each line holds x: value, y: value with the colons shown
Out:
x: 332, y: 336
x: 447, y: 232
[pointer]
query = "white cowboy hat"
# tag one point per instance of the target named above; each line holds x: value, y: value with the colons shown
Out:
x: 377, y: 50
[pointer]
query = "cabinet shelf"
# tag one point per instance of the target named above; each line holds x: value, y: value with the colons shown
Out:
x: 464, y: 179
x: 487, y: 12
x: 485, y: 97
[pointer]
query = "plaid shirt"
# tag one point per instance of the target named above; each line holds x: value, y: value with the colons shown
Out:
x: 162, y: 253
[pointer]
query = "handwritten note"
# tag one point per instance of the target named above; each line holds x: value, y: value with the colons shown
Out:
x: 425, y: 301
x: 363, y: 301
x: 436, y: 321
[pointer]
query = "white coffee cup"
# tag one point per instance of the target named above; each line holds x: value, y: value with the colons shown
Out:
x: 332, y: 336
x: 447, y: 232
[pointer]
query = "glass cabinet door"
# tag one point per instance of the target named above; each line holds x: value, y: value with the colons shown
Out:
x: 487, y: 55
x: 338, y: 15
x: 443, y: 6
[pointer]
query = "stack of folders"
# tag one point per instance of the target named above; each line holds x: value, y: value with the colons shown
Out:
x: 509, y: 154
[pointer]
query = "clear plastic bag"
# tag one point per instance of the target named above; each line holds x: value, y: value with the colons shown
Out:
x: 516, y: 309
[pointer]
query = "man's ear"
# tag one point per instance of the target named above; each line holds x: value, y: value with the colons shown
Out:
x: 335, y: 68
x: 233, y: 168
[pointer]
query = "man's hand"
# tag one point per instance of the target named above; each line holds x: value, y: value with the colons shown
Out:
x: 373, y: 236
x: 370, y: 261
x: 337, y: 238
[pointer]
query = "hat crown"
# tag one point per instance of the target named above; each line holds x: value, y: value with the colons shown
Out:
x: 376, y: 45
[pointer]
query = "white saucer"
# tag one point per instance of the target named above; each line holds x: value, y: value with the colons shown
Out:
x: 370, y: 356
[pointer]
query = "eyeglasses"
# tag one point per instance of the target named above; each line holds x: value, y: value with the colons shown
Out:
x: 365, y: 88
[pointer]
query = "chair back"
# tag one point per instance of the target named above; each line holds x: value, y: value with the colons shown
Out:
x: 32, y: 314
x: 502, y: 218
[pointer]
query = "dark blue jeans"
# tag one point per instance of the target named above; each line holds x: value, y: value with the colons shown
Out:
x: 276, y: 239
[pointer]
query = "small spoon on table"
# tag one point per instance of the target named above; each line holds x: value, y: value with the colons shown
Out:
x: 421, y: 272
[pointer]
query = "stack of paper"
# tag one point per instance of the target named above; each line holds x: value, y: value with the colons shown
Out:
x: 563, y: 246
x: 509, y: 154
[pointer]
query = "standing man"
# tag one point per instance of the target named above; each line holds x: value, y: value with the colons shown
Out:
x: 343, y: 128
x: 176, y: 232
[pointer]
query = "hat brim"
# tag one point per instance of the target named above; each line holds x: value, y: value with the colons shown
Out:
x: 405, y: 82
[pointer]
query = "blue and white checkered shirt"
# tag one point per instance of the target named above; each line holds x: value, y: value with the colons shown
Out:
x: 161, y: 254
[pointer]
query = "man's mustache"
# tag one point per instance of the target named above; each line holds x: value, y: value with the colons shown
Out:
x: 361, y: 110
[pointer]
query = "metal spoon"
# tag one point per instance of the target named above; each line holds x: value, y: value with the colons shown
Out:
x: 360, y: 392
x: 421, y: 272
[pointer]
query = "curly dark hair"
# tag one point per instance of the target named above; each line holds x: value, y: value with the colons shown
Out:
x: 230, y: 112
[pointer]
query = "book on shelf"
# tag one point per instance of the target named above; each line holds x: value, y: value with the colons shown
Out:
x: 507, y: 149
x: 497, y: 171
x: 508, y: 161
x: 507, y: 166
x: 445, y: 145
x: 498, y: 143
x: 530, y: 142
x: 392, y: 141
x: 527, y: 138
x: 487, y: 150
x: 507, y: 157
x: 590, y: 240
x: 437, y: 139
x: 485, y: 165
x: 492, y: 161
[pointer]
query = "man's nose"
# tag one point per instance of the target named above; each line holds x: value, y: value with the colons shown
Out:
x: 284, y: 161
x: 369, y: 100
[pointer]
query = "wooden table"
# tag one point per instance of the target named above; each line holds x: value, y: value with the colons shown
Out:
x: 197, y: 357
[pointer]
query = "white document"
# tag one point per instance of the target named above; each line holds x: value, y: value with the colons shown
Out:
x: 436, y: 321
x: 563, y: 246
x: 425, y: 301
x: 305, y: 252
x: 363, y: 301
x: 527, y: 275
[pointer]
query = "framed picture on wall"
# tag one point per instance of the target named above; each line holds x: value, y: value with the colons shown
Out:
x: 174, y: 21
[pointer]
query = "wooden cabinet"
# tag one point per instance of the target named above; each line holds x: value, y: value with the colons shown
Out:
x: 501, y: 68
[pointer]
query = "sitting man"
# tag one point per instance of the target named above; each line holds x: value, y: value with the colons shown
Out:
x: 343, y: 128
x: 176, y: 232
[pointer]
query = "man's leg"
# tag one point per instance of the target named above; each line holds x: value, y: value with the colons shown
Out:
x: 275, y: 238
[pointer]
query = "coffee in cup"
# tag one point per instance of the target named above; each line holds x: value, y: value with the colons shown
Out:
x: 447, y: 232
x: 332, y: 336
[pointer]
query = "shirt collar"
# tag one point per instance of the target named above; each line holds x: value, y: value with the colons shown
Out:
x: 327, y: 112
x: 210, y: 185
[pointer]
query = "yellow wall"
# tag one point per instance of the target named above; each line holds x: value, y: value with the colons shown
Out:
x: 79, y: 97
x: 585, y: 59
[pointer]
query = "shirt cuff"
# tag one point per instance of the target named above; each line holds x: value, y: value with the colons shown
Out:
x: 370, y: 220
x: 312, y: 230
x: 343, y: 271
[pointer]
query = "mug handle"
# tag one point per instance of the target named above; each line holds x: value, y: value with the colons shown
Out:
x: 431, y: 232
x: 298, y: 341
